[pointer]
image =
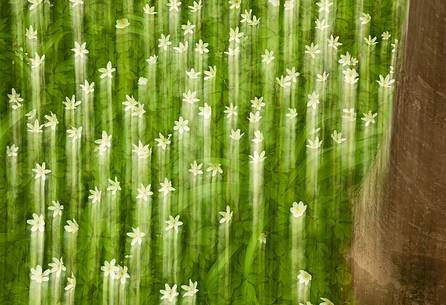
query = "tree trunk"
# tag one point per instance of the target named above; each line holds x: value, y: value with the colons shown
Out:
x: 399, y: 249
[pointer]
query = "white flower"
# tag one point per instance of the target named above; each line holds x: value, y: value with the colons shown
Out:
x: 34, y: 4
x: 144, y: 192
x: 37, y: 61
x: 205, y: 111
x: 182, y: 47
x: 258, y: 137
x: 312, y: 50
x: 333, y: 42
x: 130, y: 103
x: 142, y: 151
x: 254, y: 21
x: 136, y: 236
x: 11, y: 151
x: 31, y: 115
x: 152, y: 60
x: 349, y: 114
x: 74, y: 133
x: 288, y: 5
x: 262, y: 238
x: 87, y: 87
x: 350, y: 76
x: 173, y: 223
x: 231, y: 110
x: 122, y: 274
x: 322, y: 77
x: 254, y: 117
x: 192, y: 74
x: 164, y: 42
x: 163, y: 141
x: 15, y: 100
x: 196, y: 7
x: 169, y: 293
x: 257, y: 157
x: 324, y: 6
x: 75, y: 3
x: 235, y: 35
x: 71, y: 226
x: 195, y: 168
x: 104, y: 142
x: 292, y: 74
x: 246, y: 16
x: 385, y: 35
x: 232, y: 51
x: 174, y: 5
x: 71, y: 283
x: 56, y: 207
x: 107, y: 72
x: 298, y: 209
x: 149, y: 10
x: 268, y: 57
x: 122, y: 23
x: 113, y: 186
x: 138, y: 111
x: 234, y: 4
x: 236, y: 134
x: 30, y: 33
x: 95, y: 196
x: 347, y: 60
x: 188, y: 28
x: 274, y: 3
x: 40, y: 171
x: 337, y: 137
x: 369, y: 118
x: 51, y: 121
x: 181, y: 125
x: 71, y: 104
x: 142, y: 81
x: 37, y: 223
x: 211, y: 73
x: 314, y: 144
x: 365, y: 18
x: 292, y: 113
x: 313, y: 100
x: 35, y: 128
x: 190, y: 290
x: 257, y: 103
x: 166, y: 187
x: 38, y: 276
x: 304, y: 277
x: 110, y: 268
x: 80, y: 49
x: 326, y: 301
x: 190, y: 97
x: 57, y: 266
x: 226, y: 215
x: 201, y: 47
x: 385, y: 82
x: 321, y: 24
x: 214, y: 169
x: 371, y: 42
x: 283, y: 81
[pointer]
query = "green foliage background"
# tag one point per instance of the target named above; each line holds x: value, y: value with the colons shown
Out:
x: 254, y: 278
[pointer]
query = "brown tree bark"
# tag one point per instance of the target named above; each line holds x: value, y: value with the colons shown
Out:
x: 399, y: 249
